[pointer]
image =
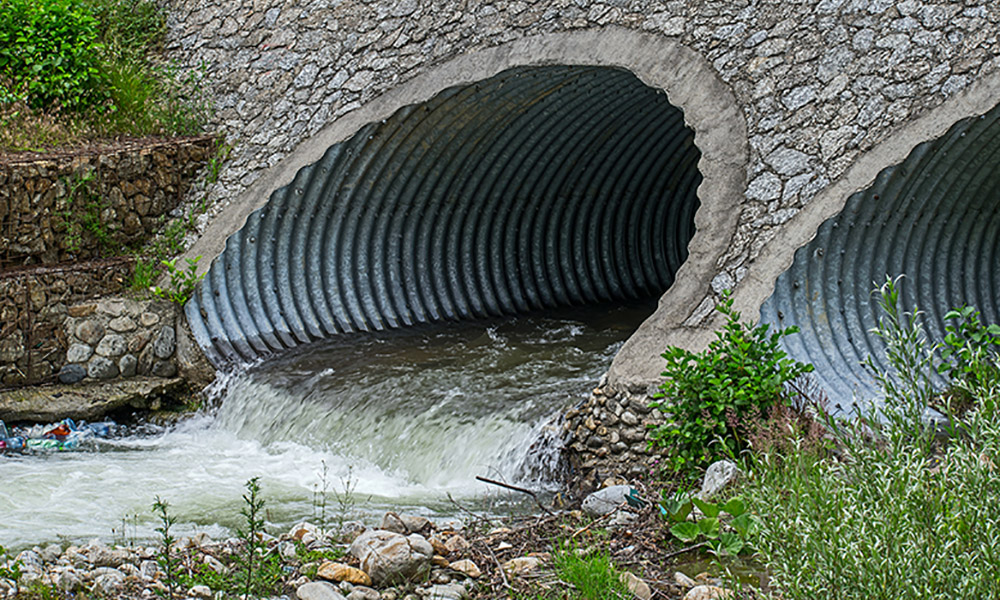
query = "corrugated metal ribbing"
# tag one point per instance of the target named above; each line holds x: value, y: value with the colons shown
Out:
x: 540, y: 187
x: 934, y: 218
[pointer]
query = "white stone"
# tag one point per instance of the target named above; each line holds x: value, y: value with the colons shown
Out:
x: 719, y: 474
x: 390, y: 557
x: 318, y: 590
x: 606, y: 501
x: 78, y: 353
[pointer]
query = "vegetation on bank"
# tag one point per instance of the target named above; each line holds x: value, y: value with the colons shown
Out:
x: 76, y: 71
x: 890, y: 504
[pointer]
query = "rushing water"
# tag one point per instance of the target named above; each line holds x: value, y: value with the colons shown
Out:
x: 407, y: 417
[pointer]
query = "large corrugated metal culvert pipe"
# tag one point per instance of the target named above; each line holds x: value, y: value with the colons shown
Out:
x: 935, y: 219
x: 537, y: 188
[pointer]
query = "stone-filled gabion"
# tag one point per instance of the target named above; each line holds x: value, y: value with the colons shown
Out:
x: 119, y: 337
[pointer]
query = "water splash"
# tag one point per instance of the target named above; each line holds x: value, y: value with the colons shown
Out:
x: 411, y: 415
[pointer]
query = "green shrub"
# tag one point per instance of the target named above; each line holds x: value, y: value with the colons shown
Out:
x: 711, y: 397
x: 128, y: 29
x: 49, y: 51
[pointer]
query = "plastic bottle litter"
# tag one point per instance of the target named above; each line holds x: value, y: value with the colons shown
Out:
x: 64, y: 435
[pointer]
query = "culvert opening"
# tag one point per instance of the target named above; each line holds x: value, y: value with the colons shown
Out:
x: 538, y: 188
x: 934, y: 218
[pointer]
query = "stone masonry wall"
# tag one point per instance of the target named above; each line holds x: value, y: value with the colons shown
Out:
x: 607, y: 438
x: 119, y: 337
x: 79, y: 206
x: 34, y: 305
x: 819, y: 81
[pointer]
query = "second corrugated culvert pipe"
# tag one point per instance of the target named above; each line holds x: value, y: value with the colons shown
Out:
x: 935, y: 219
x: 537, y: 188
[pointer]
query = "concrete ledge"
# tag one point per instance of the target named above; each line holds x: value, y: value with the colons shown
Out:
x: 85, y: 401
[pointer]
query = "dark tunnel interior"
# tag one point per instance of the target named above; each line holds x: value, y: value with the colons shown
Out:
x: 538, y: 188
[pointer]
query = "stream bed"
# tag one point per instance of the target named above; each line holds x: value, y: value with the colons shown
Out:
x: 402, y: 419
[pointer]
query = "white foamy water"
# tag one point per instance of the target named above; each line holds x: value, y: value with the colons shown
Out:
x: 410, y: 417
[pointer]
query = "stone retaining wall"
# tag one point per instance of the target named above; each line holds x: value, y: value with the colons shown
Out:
x: 606, y: 437
x: 79, y: 206
x: 34, y: 306
x: 119, y: 337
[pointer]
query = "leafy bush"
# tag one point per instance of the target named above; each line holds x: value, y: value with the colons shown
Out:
x: 49, y: 51
x: 73, y: 70
x: 711, y: 396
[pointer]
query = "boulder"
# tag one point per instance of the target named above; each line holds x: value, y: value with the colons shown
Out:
x: 720, y: 474
x: 390, y: 557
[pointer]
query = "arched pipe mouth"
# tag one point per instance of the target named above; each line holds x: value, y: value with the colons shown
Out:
x: 709, y: 109
x: 930, y: 182
x: 538, y: 188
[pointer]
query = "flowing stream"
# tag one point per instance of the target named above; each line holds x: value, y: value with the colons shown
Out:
x: 403, y: 418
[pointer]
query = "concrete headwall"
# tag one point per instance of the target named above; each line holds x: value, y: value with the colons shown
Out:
x: 787, y: 100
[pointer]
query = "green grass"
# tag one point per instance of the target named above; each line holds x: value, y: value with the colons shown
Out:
x: 592, y: 575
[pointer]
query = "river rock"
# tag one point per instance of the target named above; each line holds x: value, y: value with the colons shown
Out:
x: 78, y: 353
x: 148, y: 319
x: 521, y: 565
x: 148, y: 569
x: 707, y: 592
x: 51, y: 553
x: 457, y: 544
x: 450, y: 591
x: 390, y: 557
x: 70, y: 374
x: 127, y: 365
x: 363, y: 593
x: 200, y: 591
x: 684, y: 581
x: 112, y: 346
x: 467, y: 568
x: 639, y: 588
x: 605, y: 501
x: 318, y: 590
x: 122, y: 324
x: 102, y: 368
x: 163, y: 368
x: 341, y: 572
x: 109, y: 582
x: 90, y: 332
x: 439, y: 546
x: 69, y: 580
x: 719, y: 474
x: 163, y: 345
